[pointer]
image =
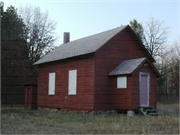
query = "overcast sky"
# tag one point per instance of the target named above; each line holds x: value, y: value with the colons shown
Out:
x: 86, y: 17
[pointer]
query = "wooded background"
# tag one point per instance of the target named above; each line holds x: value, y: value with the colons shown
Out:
x: 28, y: 35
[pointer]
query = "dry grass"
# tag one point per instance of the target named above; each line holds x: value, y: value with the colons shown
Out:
x: 41, y: 121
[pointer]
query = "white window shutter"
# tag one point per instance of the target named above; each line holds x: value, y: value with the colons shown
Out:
x: 72, y: 88
x: 121, y: 82
x: 52, y: 83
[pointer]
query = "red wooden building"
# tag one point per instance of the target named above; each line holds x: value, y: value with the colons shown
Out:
x: 108, y: 70
x: 30, y: 96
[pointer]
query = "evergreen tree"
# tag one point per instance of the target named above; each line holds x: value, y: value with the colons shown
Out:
x: 137, y: 28
x: 14, y: 56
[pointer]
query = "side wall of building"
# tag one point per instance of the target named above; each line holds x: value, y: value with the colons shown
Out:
x: 121, y: 98
x: 84, y: 98
x: 135, y: 86
x: 121, y: 47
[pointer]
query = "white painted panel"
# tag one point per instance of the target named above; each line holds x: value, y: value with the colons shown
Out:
x: 72, y: 82
x: 121, y: 82
x: 51, y: 83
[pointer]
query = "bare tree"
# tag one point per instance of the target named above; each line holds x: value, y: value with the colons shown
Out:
x: 39, y: 31
x: 173, y: 76
x: 168, y: 66
x: 155, y: 36
x: 176, y: 46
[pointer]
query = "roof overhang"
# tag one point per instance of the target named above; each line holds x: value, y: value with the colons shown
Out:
x: 129, y: 67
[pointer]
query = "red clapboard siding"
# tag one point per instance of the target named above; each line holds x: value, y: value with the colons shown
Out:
x: 100, y: 106
x: 121, y: 106
x: 95, y: 89
x: 30, y: 96
x: 121, y: 98
x: 135, y: 80
x: 121, y: 47
x: 84, y: 99
x: 102, y: 99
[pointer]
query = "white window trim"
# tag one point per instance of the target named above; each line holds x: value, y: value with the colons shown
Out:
x: 52, y: 85
x: 121, y: 82
x: 74, y: 72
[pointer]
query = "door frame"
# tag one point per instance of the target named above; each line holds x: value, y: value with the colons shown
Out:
x: 148, y: 87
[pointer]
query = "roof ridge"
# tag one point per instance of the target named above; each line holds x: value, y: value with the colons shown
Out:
x: 97, y: 33
x: 80, y: 46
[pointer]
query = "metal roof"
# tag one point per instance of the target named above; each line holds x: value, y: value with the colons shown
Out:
x: 127, y: 66
x: 81, y: 46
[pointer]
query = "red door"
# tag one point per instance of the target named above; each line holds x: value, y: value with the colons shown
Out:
x: 28, y: 98
x: 144, y: 90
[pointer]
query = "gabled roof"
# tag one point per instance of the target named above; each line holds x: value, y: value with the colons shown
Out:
x: 81, y: 46
x: 129, y: 66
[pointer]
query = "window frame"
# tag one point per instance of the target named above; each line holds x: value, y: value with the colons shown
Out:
x: 52, y: 92
x: 72, y: 81
x: 119, y: 85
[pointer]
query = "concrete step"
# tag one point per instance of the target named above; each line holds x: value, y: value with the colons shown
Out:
x: 148, y: 110
x: 151, y: 110
x: 143, y: 112
x: 147, y: 107
x: 153, y: 114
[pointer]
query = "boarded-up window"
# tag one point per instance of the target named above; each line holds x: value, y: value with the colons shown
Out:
x: 121, y: 82
x: 72, y: 82
x: 51, y: 83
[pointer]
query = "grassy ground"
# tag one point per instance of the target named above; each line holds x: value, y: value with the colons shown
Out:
x: 42, y: 121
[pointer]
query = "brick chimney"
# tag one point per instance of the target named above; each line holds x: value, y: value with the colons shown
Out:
x: 66, y: 37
